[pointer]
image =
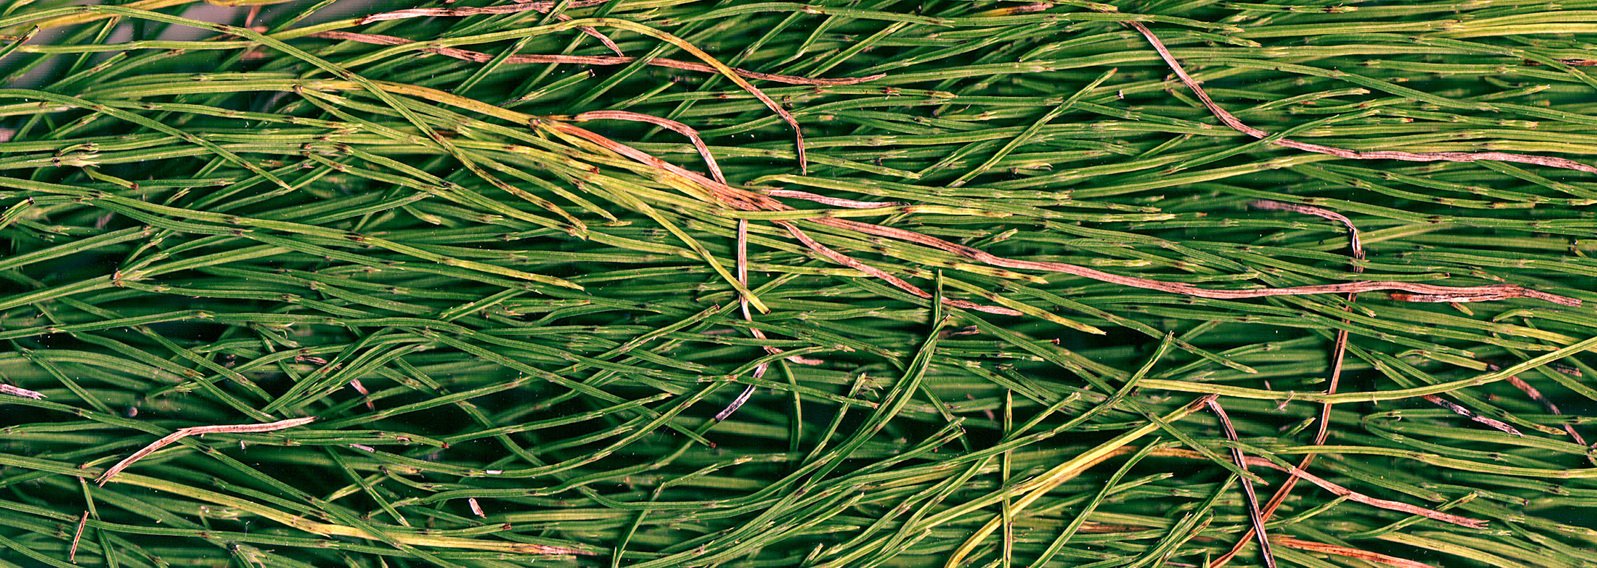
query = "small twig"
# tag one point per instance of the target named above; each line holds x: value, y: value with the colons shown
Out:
x: 743, y: 306
x: 600, y: 60
x: 19, y: 391
x: 666, y: 123
x: 1569, y: 62
x: 1536, y: 395
x: 147, y: 450
x: 1346, y: 552
x: 603, y: 39
x: 77, y: 536
x: 364, y: 394
x: 1467, y: 413
x: 1357, y: 497
x: 1254, y: 515
x: 249, y: 17
x: 1236, y: 124
x: 1340, y: 491
x: 1355, y: 247
x: 736, y: 403
x: 1338, y: 355
x: 182, y: 433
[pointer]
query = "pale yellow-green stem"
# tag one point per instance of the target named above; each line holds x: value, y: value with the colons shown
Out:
x: 1037, y: 487
x: 327, y: 529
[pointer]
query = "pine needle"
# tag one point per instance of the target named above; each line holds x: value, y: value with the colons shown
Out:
x: 780, y: 283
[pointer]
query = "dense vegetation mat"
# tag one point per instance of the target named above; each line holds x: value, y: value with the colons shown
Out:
x: 837, y: 283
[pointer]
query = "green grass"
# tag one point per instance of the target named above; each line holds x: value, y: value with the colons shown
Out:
x: 837, y: 283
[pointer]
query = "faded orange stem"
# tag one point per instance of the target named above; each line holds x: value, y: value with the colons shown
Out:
x: 182, y: 433
x: 1237, y: 124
